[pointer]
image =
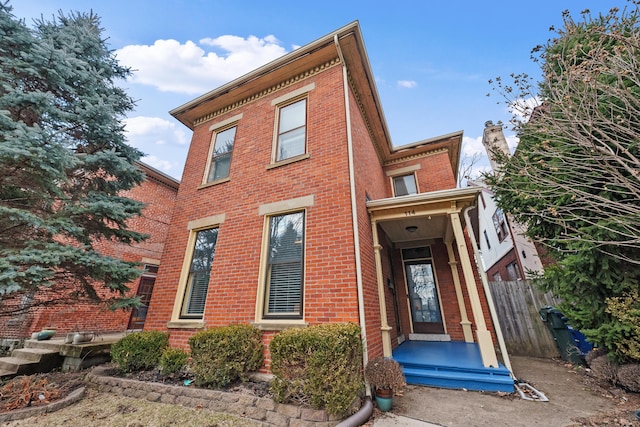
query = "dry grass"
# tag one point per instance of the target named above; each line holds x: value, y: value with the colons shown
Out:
x: 105, y: 409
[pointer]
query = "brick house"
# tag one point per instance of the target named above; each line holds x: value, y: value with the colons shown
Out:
x: 158, y: 192
x: 313, y: 216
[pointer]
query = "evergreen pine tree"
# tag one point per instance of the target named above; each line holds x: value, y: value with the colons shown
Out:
x: 64, y: 162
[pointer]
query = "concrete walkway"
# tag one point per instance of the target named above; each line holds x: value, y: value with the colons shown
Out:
x: 572, y: 396
x: 392, y: 420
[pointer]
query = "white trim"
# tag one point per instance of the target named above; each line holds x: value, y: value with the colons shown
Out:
x: 193, y: 226
x: 185, y: 324
x: 210, y: 221
x: 224, y: 123
x: 354, y: 211
x: 404, y: 171
x: 217, y: 128
x: 286, y: 205
x: 272, y: 209
x: 280, y: 324
x: 487, y: 291
x: 429, y: 337
x: 293, y: 97
x: 393, y: 185
x: 293, y: 94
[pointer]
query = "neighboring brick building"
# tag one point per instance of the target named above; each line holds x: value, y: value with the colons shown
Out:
x: 158, y: 192
x: 313, y: 216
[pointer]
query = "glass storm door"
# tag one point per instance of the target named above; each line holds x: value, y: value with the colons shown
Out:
x: 423, y: 297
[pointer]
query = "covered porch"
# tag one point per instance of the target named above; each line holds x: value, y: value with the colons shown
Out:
x: 436, y: 319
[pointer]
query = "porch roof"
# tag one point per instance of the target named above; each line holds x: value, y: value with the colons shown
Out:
x: 428, y: 212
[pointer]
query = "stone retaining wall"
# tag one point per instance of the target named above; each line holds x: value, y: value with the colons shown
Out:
x: 263, y: 410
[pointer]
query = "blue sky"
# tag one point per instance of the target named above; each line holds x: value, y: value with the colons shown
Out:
x: 432, y: 60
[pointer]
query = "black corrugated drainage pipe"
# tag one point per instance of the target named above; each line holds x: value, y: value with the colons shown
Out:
x: 359, y: 417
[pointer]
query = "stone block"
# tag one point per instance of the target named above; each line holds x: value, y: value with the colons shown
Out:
x: 254, y: 413
x: 153, y: 396
x: 276, y: 419
x: 311, y: 414
x: 291, y: 411
x: 267, y: 404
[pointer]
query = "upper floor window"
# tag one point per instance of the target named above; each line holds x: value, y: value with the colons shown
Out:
x: 500, y: 224
x: 292, y: 130
x: 221, y: 154
x: 404, y: 185
x: 284, y: 278
x: 197, y: 287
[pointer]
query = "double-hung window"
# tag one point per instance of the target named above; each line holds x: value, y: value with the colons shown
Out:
x: 195, y: 295
x: 404, y: 185
x: 500, y: 224
x: 221, y: 154
x: 292, y: 130
x: 284, y: 276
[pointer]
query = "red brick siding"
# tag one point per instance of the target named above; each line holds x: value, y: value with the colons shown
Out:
x: 369, y: 180
x: 435, y: 173
x: 159, y: 199
x: 330, y: 293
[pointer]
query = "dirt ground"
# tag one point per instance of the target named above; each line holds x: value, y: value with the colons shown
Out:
x: 575, y: 399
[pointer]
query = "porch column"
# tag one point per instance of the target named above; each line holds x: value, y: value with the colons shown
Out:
x: 384, y: 326
x: 464, y: 322
x: 487, y: 351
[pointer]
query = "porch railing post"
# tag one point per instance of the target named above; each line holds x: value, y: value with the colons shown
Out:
x: 485, y: 342
x: 464, y: 322
x: 384, y: 325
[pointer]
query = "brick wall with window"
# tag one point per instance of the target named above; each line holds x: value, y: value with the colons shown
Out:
x: 159, y: 195
x: 252, y: 274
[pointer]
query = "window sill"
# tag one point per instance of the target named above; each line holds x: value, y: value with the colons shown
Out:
x: 186, y: 324
x: 279, y: 325
x: 212, y: 183
x: 288, y: 161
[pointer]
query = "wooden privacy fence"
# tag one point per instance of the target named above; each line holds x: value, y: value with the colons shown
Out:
x: 517, y: 304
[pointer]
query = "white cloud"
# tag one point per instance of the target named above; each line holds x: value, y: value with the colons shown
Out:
x: 171, y: 66
x: 162, y: 165
x: 144, y: 131
x: 512, y: 142
x: 409, y: 84
x: 523, y: 107
x: 472, y: 146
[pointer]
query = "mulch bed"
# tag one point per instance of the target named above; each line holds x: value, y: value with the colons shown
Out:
x: 253, y: 388
x: 38, y: 389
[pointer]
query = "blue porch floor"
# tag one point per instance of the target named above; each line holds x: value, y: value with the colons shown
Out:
x: 451, y: 364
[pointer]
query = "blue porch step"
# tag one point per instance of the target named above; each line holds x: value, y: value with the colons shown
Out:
x: 453, y: 364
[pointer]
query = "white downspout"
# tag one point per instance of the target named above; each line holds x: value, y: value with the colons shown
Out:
x: 354, y: 212
x: 487, y: 292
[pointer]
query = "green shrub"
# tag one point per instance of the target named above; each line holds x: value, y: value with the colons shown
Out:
x: 320, y: 365
x: 222, y: 355
x: 139, y: 351
x: 173, y: 360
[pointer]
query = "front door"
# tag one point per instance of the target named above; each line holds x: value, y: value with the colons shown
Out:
x: 423, y: 297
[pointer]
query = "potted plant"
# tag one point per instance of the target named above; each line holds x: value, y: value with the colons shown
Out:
x: 386, y: 377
